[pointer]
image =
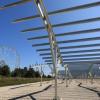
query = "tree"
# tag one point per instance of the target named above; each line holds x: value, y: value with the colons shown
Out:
x: 44, y: 76
x: 0, y: 70
x: 30, y: 72
x: 37, y: 74
x: 16, y: 72
x: 5, y: 70
x: 25, y: 71
x: 49, y: 76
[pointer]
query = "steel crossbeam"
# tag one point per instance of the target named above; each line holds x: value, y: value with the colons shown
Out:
x: 69, y: 41
x: 76, y: 59
x: 95, y: 61
x: 80, y: 7
x: 74, y: 51
x: 68, y: 33
x: 76, y: 55
x: 82, y: 21
x: 71, y: 47
x: 14, y: 4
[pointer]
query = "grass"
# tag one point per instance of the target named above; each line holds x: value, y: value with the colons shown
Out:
x: 16, y: 81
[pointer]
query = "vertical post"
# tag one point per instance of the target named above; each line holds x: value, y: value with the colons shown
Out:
x: 53, y: 44
x: 66, y: 70
x: 55, y: 71
x: 52, y: 72
x: 92, y: 79
x: 41, y: 76
x: 81, y: 78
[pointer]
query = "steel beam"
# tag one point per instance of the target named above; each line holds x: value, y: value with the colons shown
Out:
x: 44, y: 49
x: 89, y: 58
x: 14, y: 4
x: 84, y: 61
x: 72, y: 47
x: 68, y: 33
x: 81, y: 62
x: 76, y: 59
x: 80, y: 7
x: 75, y: 51
x: 70, y: 41
x: 78, y: 55
x: 55, y: 52
x: 82, y: 21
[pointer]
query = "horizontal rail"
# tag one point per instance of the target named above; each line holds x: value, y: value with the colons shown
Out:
x: 14, y: 4
x: 65, y: 24
x: 69, y: 41
x: 72, y: 47
x: 78, y: 55
x: 75, y: 51
x: 84, y: 61
x: 80, y: 62
x: 68, y: 33
x: 83, y: 58
x: 76, y: 59
x: 80, y: 7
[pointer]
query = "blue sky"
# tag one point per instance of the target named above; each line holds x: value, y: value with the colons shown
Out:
x: 11, y: 36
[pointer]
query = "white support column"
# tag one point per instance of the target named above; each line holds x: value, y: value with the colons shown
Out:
x: 52, y: 40
x: 55, y: 69
x: 66, y: 72
x: 52, y: 72
x: 41, y: 75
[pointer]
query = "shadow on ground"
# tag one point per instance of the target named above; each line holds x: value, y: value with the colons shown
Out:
x: 30, y: 94
x: 98, y: 92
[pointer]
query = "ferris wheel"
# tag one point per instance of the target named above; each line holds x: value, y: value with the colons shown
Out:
x: 10, y: 56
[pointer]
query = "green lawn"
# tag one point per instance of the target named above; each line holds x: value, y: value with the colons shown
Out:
x: 16, y: 81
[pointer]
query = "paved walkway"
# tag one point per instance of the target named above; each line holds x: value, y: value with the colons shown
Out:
x: 73, y: 92
x: 29, y: 92
x: 10, y: 92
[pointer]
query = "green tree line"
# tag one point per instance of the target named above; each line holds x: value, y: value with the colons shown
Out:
x: 20, y: 72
